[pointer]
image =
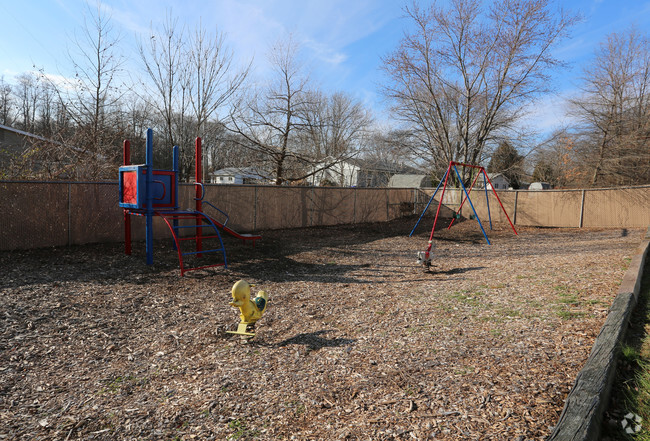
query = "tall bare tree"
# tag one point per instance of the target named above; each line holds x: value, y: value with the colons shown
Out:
x: 267, y: 120
x: 614, y: 108
x: 191, y: 78
x: 298, y: 129
x: 332, y: 126
x: 461, y: 78
x: 27, y: 92
x: 6, y: 103
x: 212, y: 77
x: 85, y: 106
x: 164, y: 59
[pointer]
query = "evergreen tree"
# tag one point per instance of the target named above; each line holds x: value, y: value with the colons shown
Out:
x: 507, y: 161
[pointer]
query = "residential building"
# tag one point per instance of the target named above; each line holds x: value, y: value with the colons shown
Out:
x: 355, y: 172
x: 409, y: 181
x: 235, y: 175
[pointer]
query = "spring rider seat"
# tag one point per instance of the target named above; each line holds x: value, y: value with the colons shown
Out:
x: 250, y: 310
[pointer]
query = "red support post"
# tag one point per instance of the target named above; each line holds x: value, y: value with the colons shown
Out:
x: 126, y: 148
x: 198, y: 179
x: 499, y: 200
x: 435, y: 221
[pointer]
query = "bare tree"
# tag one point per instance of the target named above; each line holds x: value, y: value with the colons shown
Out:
x: 557, y: 161
x: 212, y: 78
x: 191, y: 79
x: 267, y: 121
x: 460, y: 80
x: 27, y: 93
x: 332, y: 126
x: 298, y: 129
x: 46, y: 110
x: 614, y: 108
x: 391, y: 146
x: 163, y: 57
x: 84, y: 109
x: 6, y: 103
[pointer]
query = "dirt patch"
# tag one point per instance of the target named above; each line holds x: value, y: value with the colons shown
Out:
x: 358, y: 342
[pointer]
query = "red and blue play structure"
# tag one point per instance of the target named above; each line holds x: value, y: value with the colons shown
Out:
x: 425, y: 257
x: 147, y: 192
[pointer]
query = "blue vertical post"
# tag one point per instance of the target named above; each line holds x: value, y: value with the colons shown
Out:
x: 175, y: 169
x: 430, y: 200
x: 149, y: 192
x: 175, y: 165
x: 487, y: 199
x: 471, y: 205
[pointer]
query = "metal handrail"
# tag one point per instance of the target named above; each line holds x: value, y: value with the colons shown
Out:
x: 202, y: 191
x: 220, y: 211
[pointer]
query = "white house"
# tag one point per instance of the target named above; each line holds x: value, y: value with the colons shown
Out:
x: 409, y: 181
x: 340, y: 174
x: 355, y: 172
x: 499, y: 181
x: 234, y: 175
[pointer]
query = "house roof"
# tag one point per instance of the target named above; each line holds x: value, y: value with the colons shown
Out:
x: 30, y: 135
x: 496, y: 175
x: 381, y: 165
x: 406, y: 181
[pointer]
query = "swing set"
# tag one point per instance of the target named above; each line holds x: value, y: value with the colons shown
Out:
x: 424, y: 257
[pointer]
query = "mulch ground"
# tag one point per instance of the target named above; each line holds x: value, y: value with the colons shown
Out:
x: 358, y: 341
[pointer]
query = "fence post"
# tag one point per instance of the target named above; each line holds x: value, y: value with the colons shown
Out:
x: 354, y: 206
x: 69, y: 213
x: 582, y: 209
x: 514, y: 216
x: 416, y: 198
x: 310, y: 209
x: 387, y: 205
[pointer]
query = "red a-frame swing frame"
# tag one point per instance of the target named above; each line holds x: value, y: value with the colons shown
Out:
x: 486, y: 179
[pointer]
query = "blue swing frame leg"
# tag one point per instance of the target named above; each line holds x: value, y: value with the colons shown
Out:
x: 429, y: 203
x: 487, y: 199
x: 471, y: 205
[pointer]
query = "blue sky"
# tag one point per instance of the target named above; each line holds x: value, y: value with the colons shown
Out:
x: 343, y: 40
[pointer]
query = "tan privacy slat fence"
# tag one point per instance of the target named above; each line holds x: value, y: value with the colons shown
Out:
x: 44, y: 214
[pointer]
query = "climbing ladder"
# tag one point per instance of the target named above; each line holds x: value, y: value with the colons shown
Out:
x: 176, y: 220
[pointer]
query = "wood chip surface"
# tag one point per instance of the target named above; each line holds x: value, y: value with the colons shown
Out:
x: 358, y: 341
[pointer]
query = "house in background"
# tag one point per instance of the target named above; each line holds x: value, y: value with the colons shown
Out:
x: 14, y: 143
x: 32, y: 155
x: 234, y: 175
x: 499, y: 181
x: 409, y: 181
x: 355, y: 172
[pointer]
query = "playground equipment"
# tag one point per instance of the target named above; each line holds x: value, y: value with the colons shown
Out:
x: 145, y: 191
x: 250, y: 310
x: 424, y: 257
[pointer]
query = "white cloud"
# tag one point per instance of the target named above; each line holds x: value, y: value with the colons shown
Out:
x: 549, y: 113
x: 323, y: 28
x: 129, y: 20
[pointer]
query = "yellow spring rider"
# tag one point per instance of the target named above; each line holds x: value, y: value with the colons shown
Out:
x: 250, y: 310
